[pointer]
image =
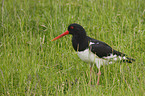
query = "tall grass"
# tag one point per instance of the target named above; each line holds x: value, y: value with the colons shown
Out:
x: 30, y: 64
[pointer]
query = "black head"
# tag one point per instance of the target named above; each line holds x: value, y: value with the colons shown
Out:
x: 76, y: 29
x: 79, y: 38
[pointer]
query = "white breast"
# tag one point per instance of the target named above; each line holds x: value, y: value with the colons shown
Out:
x: 90, y: 57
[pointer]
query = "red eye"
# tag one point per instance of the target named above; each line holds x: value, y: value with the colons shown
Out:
x: 71, y: 27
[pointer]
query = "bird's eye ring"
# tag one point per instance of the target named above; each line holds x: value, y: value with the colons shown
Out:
x: 71, y: 27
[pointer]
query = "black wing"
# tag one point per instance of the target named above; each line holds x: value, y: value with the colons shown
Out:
x: 102, y: 49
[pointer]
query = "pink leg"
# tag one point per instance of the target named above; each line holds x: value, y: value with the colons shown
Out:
x: 99, y: 73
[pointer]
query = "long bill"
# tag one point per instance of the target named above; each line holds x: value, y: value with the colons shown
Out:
x: 63, y: 34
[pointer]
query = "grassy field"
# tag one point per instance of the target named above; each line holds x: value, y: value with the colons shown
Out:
x: 30, y: 64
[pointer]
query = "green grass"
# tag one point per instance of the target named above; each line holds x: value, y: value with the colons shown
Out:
x: 30, y: 64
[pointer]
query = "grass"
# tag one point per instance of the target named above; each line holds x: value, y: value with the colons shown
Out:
x: 30, y: 64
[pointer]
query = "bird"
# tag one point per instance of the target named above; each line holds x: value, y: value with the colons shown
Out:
x: 91, y: 50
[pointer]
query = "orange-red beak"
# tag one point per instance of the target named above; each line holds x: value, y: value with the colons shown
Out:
x: 63, y: 34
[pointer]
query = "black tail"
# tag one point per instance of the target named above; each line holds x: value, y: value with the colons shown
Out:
x: 124, y: 56
x: 129, y: 60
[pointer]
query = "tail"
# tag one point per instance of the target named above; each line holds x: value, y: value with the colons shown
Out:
x: 124, y: 57
x: 128, y: 60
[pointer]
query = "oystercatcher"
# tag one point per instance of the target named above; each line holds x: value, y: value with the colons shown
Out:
x: 91, y: 50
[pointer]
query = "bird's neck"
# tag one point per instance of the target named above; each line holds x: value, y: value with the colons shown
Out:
x: 80, y: 43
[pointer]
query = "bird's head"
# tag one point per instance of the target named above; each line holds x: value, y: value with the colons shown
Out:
x: 73, y: 29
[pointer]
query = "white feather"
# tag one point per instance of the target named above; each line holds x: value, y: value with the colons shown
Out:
x: 124, y: 57
x: 115, y: 59
x: 91, y: 43
x: 111, y: 56
x: 120, y: 57
x: 90, y: 57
